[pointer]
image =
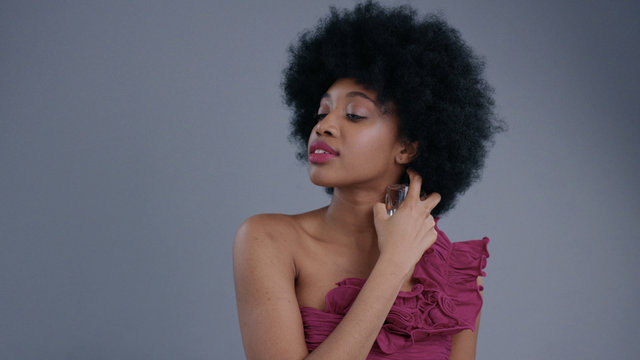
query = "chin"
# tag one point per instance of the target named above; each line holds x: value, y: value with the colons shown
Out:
x: 320, y: 179
x: 315, y: 180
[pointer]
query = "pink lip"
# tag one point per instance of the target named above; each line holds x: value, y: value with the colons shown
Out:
x: 323, y: 157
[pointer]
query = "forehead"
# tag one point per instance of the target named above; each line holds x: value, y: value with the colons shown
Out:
x: 350, y: 87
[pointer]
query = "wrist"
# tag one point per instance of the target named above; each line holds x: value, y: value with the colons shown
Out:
x: 394, y: 267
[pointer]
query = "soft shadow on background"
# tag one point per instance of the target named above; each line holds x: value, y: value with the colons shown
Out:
x: 136, y: 136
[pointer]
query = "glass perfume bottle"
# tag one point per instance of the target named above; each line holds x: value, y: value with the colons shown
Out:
x: 396, y: 193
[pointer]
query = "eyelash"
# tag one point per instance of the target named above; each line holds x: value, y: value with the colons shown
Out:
x: 351, y: 117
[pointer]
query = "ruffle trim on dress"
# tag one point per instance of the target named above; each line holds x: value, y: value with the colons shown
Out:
x: 445, y: 299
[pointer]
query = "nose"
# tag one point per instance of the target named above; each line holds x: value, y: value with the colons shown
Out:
x: 327, y: 126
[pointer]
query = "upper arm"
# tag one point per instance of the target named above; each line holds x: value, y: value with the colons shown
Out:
x: 463, y: 344
x: 264, y: 277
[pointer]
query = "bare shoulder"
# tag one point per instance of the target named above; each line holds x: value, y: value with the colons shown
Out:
x: 268, y: 223
x: 268, y: 242
x: 266, y: 231
x: 264, y: 275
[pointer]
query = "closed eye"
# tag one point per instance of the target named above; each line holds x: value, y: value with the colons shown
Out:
x: 354, y: 117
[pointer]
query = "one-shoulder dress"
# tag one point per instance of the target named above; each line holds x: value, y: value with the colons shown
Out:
x: 445, y: 299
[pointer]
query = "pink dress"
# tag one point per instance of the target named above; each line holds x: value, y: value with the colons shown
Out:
x: 445, y: 300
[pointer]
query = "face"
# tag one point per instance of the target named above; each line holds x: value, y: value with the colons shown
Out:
x: 355, y: 142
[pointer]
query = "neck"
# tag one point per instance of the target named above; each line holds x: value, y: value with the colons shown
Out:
x: 350, y: 215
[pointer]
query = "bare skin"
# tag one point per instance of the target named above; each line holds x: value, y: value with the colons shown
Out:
x: 283, y: 262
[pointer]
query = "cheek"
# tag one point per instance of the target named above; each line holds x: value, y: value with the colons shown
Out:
x: 380, y: 141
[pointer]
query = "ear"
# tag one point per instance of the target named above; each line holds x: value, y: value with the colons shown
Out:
x: 408, y: 151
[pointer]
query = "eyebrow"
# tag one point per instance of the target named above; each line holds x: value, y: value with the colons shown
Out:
x: 357, y: 94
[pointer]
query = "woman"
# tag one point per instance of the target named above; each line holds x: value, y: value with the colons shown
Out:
x: 379, y: 97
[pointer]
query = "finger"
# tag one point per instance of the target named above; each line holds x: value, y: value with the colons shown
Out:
x: 415, y: 184
x: 380, y: 211
x: 431, y: 201
x: 430, y: 221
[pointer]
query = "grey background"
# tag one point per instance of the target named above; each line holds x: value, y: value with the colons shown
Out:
x: 136, y: 136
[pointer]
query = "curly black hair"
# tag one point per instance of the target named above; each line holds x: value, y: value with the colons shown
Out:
x: 422, y: 66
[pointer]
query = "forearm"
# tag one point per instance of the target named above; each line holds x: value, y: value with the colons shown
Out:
x: 356, y: 333
x: 405, y: 236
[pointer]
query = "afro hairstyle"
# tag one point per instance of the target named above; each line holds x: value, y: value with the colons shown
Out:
x: 422, y: 66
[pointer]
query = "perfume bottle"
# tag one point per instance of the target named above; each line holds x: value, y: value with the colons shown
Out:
x: 396, y: 193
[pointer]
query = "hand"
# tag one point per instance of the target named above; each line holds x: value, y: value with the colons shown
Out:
x: 403, y: 237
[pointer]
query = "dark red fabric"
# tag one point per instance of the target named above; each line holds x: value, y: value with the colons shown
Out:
x: 445, y: 300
